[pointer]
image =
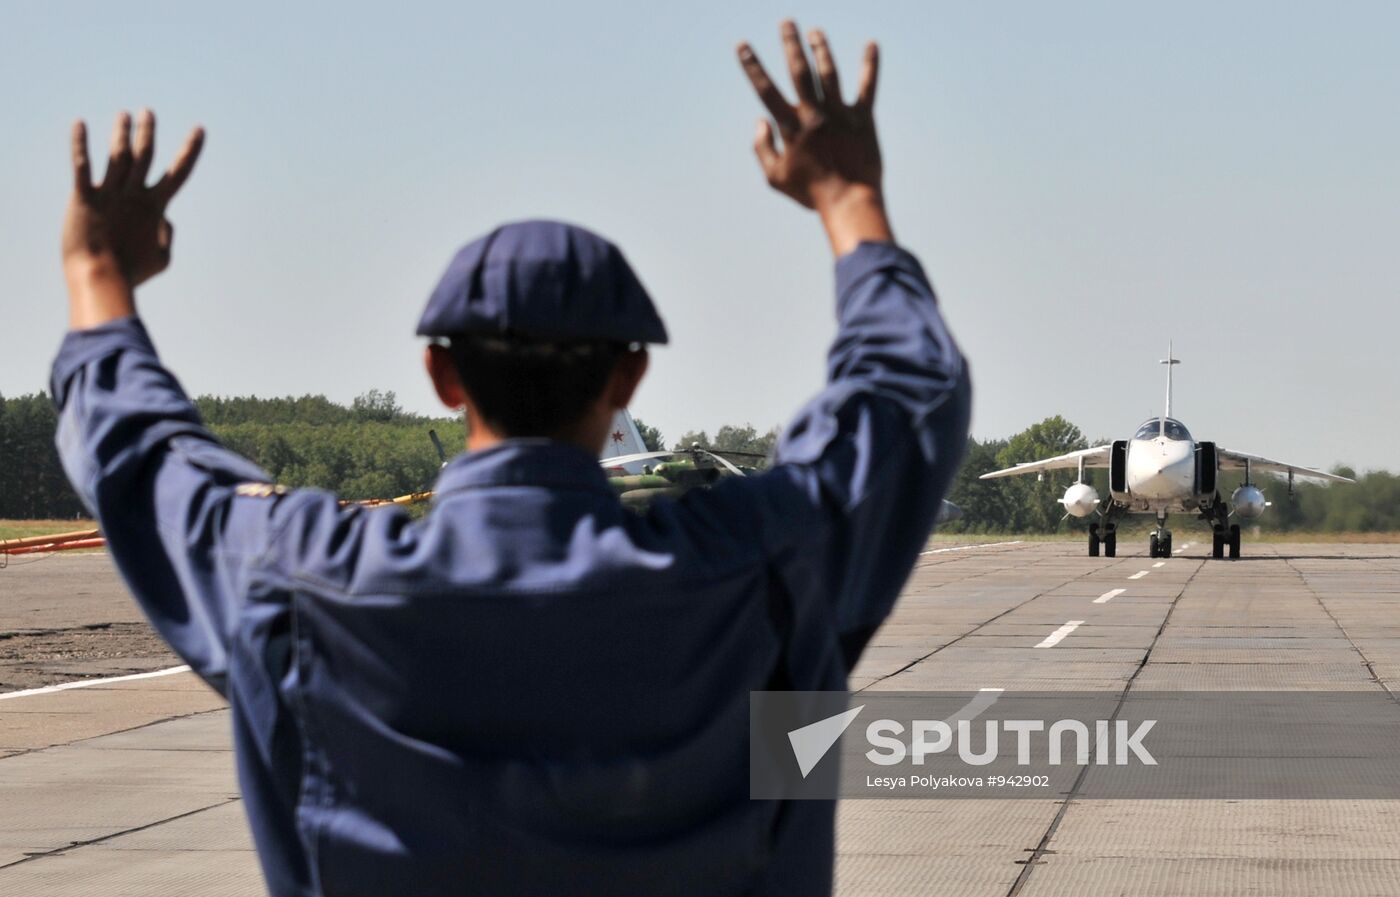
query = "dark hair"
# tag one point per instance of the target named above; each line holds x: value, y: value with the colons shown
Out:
x: 526, y: 387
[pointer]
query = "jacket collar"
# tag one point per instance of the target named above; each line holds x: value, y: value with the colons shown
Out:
x: 525, y: 462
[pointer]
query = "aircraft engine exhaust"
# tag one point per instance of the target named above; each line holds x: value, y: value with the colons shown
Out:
x: 1248, y: 502
x: 1080, y: 500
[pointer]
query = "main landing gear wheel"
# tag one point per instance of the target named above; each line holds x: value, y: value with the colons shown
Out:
x: 1107, y: 538
x: 1152, y: 545
x: 1223, y: 539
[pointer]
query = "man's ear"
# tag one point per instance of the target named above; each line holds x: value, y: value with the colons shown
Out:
x: 626, y: 375
x: 438, y: 361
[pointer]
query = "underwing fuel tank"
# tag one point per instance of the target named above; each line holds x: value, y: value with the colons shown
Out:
x: 1080, y: 500
x: 1248, y: 502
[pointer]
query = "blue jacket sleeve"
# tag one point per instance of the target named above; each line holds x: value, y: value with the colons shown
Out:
x: 184, y: 517
x: 860, y: 474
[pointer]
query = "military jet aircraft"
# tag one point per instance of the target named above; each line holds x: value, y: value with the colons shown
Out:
x: 1163, y: 470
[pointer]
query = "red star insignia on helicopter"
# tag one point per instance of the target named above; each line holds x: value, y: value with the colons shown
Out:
x: 617, y: 436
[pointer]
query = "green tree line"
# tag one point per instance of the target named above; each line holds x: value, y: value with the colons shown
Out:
x: 369, y: 449
x: 373, y: 448
x: 32, y: 484
x: 729, y: 438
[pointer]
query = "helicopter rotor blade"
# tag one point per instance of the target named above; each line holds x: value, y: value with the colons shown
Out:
x: 723, y: 461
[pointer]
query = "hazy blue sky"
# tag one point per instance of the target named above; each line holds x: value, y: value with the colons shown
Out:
x: 1083, y: 181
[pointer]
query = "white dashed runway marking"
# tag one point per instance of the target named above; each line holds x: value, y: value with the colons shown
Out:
x: 1058, y: 635
x: 1109, y: 596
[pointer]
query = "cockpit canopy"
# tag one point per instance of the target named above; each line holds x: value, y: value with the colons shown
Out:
x: 1174, y: 430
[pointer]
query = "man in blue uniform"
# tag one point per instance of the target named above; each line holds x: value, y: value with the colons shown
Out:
x: 531, y: 690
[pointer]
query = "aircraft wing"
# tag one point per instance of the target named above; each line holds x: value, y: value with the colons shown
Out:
x: 1092, y: 457
x: 1236, y: 461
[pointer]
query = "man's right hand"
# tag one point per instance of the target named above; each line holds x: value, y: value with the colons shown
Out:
x: 116, y: 235
x: 830, y: 157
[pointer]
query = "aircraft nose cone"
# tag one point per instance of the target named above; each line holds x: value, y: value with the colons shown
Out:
x: 1169, y: 475
x: 1170, y: 466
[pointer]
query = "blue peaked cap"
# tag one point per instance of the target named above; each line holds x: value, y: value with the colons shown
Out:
x: 543, y: 280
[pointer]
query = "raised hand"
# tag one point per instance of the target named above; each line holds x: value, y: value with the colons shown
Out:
x: 830, y: 158
x: 119, y: 226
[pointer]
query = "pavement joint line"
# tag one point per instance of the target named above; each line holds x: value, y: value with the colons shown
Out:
x: 1042, y: 848
x: 74, y: 845
x: 1138, y: 575
x: 88, y: 683
x: 1109, y: 596
x: 969, y: 547
x: 155, y: 722
x: 920, y: 659
x: 1058, y: 635
x: 1366, y: 661
x: 56, y: 630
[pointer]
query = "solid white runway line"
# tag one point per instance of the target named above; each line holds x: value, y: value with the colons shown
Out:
x: 88, y: 683
x: 1058, y: 635
x: 1109, y: 596
x: 1138, y: 575
x: 1160, y: 564
x: 968, y: 547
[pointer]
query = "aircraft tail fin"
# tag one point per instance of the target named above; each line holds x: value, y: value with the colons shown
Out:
x: 1169, y: 361
x: 623, y: 438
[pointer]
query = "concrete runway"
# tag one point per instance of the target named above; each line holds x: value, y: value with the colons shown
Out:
x: 127, y: 787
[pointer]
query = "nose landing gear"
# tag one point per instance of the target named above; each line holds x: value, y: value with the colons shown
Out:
x: 1160, y: 543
